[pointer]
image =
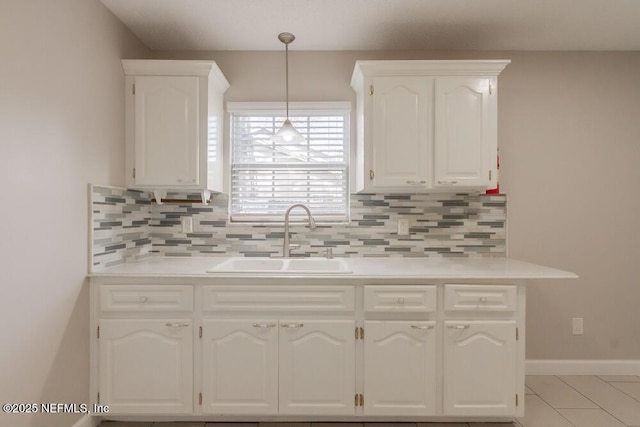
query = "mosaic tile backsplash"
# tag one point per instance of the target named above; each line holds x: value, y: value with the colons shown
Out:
x: 127, y: 226
x: 120, y: 221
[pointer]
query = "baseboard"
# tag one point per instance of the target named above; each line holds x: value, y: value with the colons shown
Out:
x: 582, y: 367
x: 87, y: 421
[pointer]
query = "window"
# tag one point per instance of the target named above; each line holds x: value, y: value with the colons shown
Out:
x: 267, y: 178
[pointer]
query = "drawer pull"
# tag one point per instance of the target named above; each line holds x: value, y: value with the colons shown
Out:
x: 458, y: 326
x: 143, y: 299
x: 422, y: 327
x: 412, y: 182
x: 400, y: 300
x: 264, y: 325
x: 483, y: 300
x: 177, y: 324
x: 447, y: 182
x: 292, y: 325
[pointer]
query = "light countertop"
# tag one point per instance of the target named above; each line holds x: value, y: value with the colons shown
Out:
x: 362, y: 268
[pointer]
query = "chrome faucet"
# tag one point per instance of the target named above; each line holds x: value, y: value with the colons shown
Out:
x: 286, y: 247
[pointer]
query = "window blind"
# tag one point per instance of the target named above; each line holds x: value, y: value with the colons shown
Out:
x: 268, y: 177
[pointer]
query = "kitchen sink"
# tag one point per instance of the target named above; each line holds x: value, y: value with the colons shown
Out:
x: 318, y: 265
x: 249, y: 264
x: 283, y: 266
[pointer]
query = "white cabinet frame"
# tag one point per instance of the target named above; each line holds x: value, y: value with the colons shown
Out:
x: 425, y: 126
x: 174, y: 121
x: 238, y: 326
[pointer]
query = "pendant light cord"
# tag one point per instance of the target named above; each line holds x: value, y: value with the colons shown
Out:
x: 286, y: 73
x: 286, y: 38
x: 287, y: 132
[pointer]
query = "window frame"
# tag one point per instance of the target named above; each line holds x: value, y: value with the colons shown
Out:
x: 295, y: 108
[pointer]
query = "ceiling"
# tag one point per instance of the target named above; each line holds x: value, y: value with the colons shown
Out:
x: 383, y: 24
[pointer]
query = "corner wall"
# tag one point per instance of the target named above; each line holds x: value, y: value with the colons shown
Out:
x: 61, y: 127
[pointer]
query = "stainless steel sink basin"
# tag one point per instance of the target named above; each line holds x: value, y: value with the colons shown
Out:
x: 283, y: 266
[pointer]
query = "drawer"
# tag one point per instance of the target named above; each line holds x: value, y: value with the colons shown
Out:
x: 480, y: 297
x: 400, y: 299
x: 279, y: 298
x: 146, y: 298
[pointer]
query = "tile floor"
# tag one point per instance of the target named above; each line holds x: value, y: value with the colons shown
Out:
x: 551, y: 401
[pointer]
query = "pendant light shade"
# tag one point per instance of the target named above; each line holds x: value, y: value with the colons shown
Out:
x: 287, y: 133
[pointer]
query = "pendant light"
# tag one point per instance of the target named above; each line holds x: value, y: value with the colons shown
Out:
x: 287, y: 133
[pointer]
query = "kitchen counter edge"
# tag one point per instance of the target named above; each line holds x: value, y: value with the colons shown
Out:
x: 362, y: 269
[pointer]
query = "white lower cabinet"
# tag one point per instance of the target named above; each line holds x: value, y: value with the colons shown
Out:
x: 400, y: 368
x: 317, y: 367
x: 330, y: 352
x: 240, y: 366
x: 146, y: 366
x: 479, y: 367
x: 267, y: 366
x: 480, y: 349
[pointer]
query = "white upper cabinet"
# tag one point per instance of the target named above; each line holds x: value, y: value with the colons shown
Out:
x: 466, y: 142
x: 401, y: 123
x: 426, y: 125
x: 166, y: 130
x: 174, y: 119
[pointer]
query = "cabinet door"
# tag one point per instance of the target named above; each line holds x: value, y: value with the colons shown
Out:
x: 399, y: 368
x: 166, y: 130
x: 146, y: 366
x: 465, y: 132
x: 317, y: 367
x: 401, y: 132
x: 479, y: 367
x: 240, y: 366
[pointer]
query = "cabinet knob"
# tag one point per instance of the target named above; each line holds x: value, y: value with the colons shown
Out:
x: 483, y: 300
x: 400, y: 300
x: 143, y: 299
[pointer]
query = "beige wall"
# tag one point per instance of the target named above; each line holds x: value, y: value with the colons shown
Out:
x: 569, y: 132
x: 569, y: 148
x: 570, y: 145
x: 61, y: 127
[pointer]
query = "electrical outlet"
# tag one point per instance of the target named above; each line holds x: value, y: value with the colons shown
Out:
x: 187, y: 224
x: 403, y: 226
x: 577, y: 324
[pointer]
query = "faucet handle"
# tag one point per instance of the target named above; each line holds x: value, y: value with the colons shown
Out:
x: 328, y: 252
